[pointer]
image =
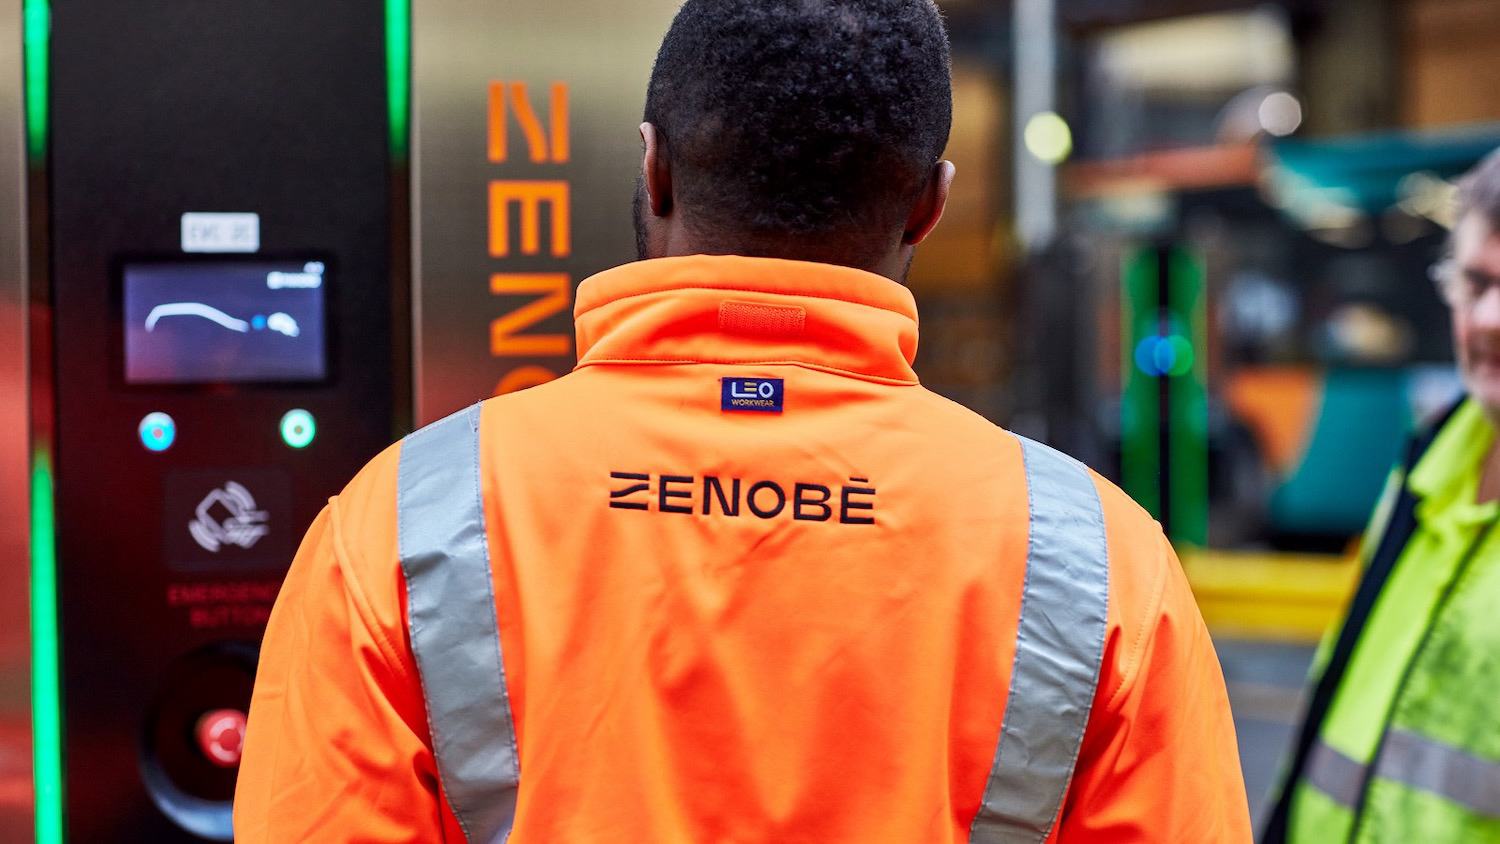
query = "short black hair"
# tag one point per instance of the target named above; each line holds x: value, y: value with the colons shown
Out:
x: 802, y: 119
x: 1479, y: 191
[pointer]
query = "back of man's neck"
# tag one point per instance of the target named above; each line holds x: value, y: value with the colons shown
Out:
x: 686, y: 240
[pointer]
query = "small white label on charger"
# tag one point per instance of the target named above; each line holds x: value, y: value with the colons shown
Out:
x: 205, y: 231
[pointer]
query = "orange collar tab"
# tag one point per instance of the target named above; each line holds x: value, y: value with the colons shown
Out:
x: 736, y: 310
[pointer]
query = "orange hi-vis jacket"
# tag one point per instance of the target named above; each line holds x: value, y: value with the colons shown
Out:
x: 737, y: 578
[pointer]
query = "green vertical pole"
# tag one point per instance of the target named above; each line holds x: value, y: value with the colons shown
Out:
x: 1188, y: 398
x: 1140, y: 417
x: 1164, y: 400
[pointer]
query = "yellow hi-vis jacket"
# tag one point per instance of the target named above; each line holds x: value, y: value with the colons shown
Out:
x: 1400, y: 742
x: 737, y: 578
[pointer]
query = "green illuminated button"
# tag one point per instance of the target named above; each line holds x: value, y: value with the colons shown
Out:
x: 298, y: 428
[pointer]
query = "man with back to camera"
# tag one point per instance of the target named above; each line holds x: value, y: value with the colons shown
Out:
x: 746, y: 580
x: 1399, y: 742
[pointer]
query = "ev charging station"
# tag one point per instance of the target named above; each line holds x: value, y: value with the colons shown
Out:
x: 244, y: 247
x: 218, y: 307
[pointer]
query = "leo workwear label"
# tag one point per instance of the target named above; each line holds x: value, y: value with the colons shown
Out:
x: 849, y: 503
x: 757, y: 394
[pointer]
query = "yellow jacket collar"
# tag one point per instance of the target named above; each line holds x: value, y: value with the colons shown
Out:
x: 733, y: 309
x: 1446, y: 478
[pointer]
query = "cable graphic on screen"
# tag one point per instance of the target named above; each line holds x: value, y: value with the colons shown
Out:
x: 278, y: 322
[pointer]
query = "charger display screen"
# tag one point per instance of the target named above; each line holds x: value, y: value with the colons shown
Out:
x: 204, y: 322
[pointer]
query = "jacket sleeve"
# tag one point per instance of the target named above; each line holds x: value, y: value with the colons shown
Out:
x: 1159, y: 761
x: 337, y: 743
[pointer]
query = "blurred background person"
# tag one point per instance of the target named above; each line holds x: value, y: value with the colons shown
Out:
x: 1399, y: 742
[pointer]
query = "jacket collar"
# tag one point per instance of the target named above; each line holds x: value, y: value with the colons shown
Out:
x: 738, y: 310
x: 1446, y: 477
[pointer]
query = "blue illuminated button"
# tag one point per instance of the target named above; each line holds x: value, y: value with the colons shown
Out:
x: 157, y: 431
x: 298, y: 428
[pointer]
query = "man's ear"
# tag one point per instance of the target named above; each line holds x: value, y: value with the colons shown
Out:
x: 656, y: 170
x: 929, y: 206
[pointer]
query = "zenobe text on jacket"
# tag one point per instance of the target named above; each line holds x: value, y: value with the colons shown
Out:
x: 850, y: 503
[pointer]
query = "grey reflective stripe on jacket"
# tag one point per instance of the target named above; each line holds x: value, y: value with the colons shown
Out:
x: 456, y: 640
x: 1414, y: 761
x: 1059, y: 649
x: 450, y: 598
x: 1336, y: 775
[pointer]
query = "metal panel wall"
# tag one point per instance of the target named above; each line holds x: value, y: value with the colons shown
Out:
x: 521, y: 108
x: 15, y: 708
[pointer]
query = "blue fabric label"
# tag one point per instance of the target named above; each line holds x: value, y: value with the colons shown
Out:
x: 758, y: 394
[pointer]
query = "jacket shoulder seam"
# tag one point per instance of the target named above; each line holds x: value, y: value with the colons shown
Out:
x: 1136, y: 655
x: 344, y: 557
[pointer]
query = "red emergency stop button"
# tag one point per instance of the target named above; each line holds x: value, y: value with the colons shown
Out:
x: 221, y: 736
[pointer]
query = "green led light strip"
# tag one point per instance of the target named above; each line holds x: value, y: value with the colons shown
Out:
x: 37, y: 17
x: 46, y: 696
x: 46, y: 693
x: 398, y: 74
